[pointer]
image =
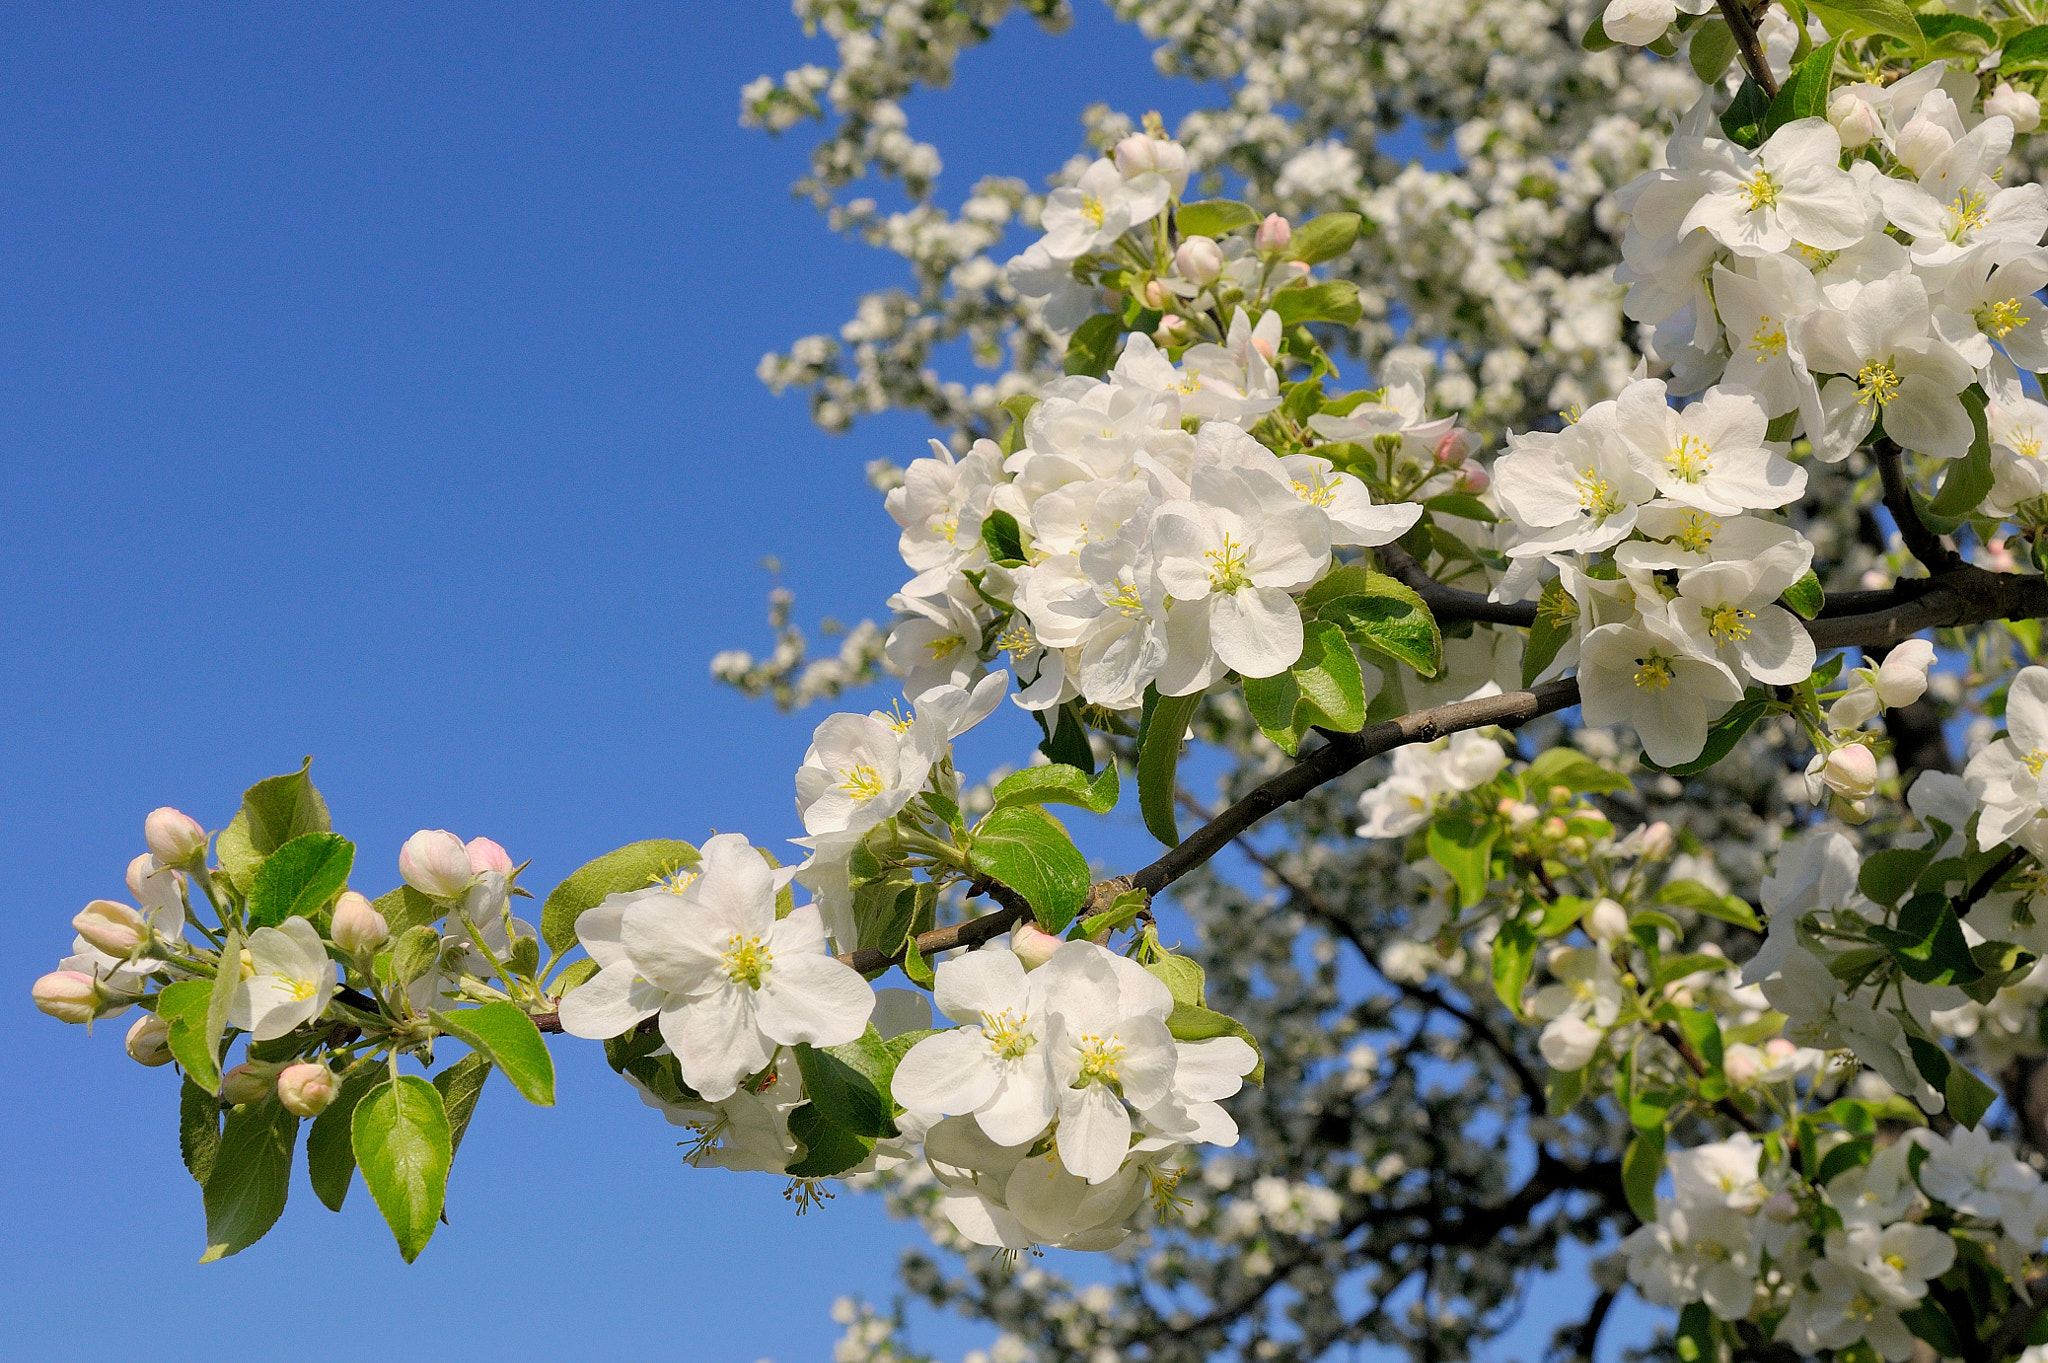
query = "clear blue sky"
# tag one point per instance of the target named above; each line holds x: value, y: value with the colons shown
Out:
x: 377, y: 383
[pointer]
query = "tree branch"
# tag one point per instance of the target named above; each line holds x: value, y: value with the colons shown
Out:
x: 1451, y: 603
x: 1920, y: 541
x: 1748, y: 46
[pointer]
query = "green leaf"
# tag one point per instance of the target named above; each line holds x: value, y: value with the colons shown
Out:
x: 1325, y: 688
x: 1574, y: 771
x: 1159, y: 742
x: 1092, y: 348
x: 1465, y: 849
x: 888, y: 909
x: 1678, y: 967
x: 300, y: 878
x: 1956, y: 35
x: 405, y: 908
x: 1182, y: 976
x: 330, y: 1145
x: 460, y: 1085
x: 1805, y: 598
x: 1711, y: 49
x: 1514, y: 951
x: 1561, y: 1091
x: 1066, y: 739
x: 1968, y: 480
x: 403, y: 1146
x: 504, y: 1034
x: 1462, y: 505
x: 1324, y: 237
x: 198, y: 1130
x: 1805, y: 91
x: 2003, y: 963
x: 1890, y: 872
x: 1641, y: 1167
x: 1121, y: 913
x: 1214, y: 217
x: 828, y: 1148
x: 1694, y: 1342
x: 1690, y: 894
x: 1743, y: 121
x: 1059, y: 784
x: 1726, y: 732
x: 279, y: 808
x: 1334, y: 300
x: 239, y: 859
x: 220, y: 998
x: 251, y: 1175
x: 1929, y: 1322
x: 414, y: 954
x: 1005, y: 541
x: 1595, y: 38
x: 1556, y: 617
x: 1384, y: 615
x: 1928, y: 942
x: 1703, y: 1031
x: 914, y: 964
x: 632, y: 867
x: 1029, y: 850
x: 1853, y: 18
x: 1019, y: 408
x: 2026, y: 52
x: 850, y: 1084
x: 1840, y: 1160
x: 1560, y: 914
x: 1203, y: 1024
x: 1969, y: 1097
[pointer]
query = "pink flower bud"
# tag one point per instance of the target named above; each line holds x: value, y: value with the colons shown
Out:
x: 1199, y: 261
x: 1274, y: 233
x: 1171, y: 330
x: 1780, y: 1048
x: 1034, y: 945
x: 305, y: 1090
x: 113, y: 928
x: 357, y: 927
x: 2019, y: 106
x: 1855, y: 120
x: 1455, y: 447
x: 1606, y: 922
x: 1851, y: 772
x: 1156, y: 295
x: 1658, y: 841
x: 67, y: 995
x: 1741, y: 1065
x: 436, y: 863
x: 176, y: 838
x: 249, y: 1082
x: 485, y: 855
x: 149, y: 1041
x: 1474, y: 479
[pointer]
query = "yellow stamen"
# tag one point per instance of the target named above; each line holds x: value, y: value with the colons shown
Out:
x: 862, y: 782
x: 1227, y: 566
x: 1696, y: 531
x: 1100, y: 1057
x: 1768, y: 342
x: 1691, y: 459
x: 746, y: 961
x: 1761, y: 190
x: 1007, y: 1035
x: 1654, y: 672
x: 1876, y: 382
x: 1729, y: 624
x: 1999, y: 320
x: 1596, y: 498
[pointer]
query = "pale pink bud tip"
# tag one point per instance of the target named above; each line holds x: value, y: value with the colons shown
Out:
x: 1474, y: 479
x: 1851, y: 772
x: 436, y: 863
x: 1658, y: 840
x: 358, y: 927
x: 485, y: 855
x: 305, y: 1090
x: 1199, y: 261
x: 248, y: 1082
x: 1034, y: 945
x: 1275, y: 233
x: 174, y: 837
x: 67, y: 995
x: 149, y: 1041
x: 113, y: 928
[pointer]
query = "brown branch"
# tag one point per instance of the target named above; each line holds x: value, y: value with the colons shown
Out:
x: 1727, y: 1107
x: 1451, y: 603
x: 1748, y: 46
x: 1919, y: 540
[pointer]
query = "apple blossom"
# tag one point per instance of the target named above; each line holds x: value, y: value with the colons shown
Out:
x: 305, y: 1090
x: 436, y: 863
x: 175, y: 838
x: 149, y: 1041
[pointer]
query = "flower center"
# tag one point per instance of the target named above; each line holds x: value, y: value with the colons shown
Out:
x: 1092, y: 209
x: 1227, y: 566
x: 1876, y: 382
x: 2035, y: 760
x: 1100, y: 1057
x: 1125, y: 599
x: 2028, y: 445
x: 862, y: 782
x: 1654, y: 672
x: 296, y: 990
x: 1897, y: 1261
x: 1192, y: 383
x: 1696, y: 531
x: 1596, y: 498
x: 708, y: 1130
x: 1761, y: 191
x: 1007, y: 1035
x: 948, y: 526
x: 1016, y: 640
x: 1729, y: 624
x: 1965, y: 214
x: 746, y: 961
x: 1316, y: 492
x: 1816, y: 260
x: 1999, y: 320
x: 1769, y: 340
x: 1690, y: 459
x: 1862, y: 1306
x: 946, y: 647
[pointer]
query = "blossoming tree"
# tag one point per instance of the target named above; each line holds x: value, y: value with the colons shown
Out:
x: 1601, y: 738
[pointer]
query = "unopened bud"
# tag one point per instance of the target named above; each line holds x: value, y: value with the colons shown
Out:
x: 1554, y: 827
x: 1742, y: 1064
x: 1474, y: 479
x: 1140, y: 153
x: 485, y: 855
x: 110, y: 927
x: 149, y: 1041
x: 1456, y: 447
x: 1274, y: 233
x: 1199, y: 261
x: 305, y: 1090
x: 1920, y: 142
x: 1171, y: 330
x: 1606, y: 922
x: 1780, y: 1048
x: 249, y: 1082
x: 1034, y: 945
x: 436, y: 863
x: 1156, y: 295
x: 175, y: 837
x: 67, y: 995
x: 1658, y: 841
x: 1851, y: 772
x: 1855, y: 120
x: 357, y: 927
x: 2022, y: 108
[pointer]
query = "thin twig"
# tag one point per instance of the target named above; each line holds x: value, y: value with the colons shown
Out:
x: 1919, y: 540
x: 1749, y: 46
x: 1727, y: 1107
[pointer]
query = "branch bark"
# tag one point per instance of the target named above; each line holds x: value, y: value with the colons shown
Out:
x: 1749, y: 47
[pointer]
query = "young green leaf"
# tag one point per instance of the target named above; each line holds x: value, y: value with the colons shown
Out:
x: 1214, y: 217
x: 1641, y: 1167
x: 1166, y: 722
x: 1854, y: 18
x: 828, y: 1147
x: 1182, y: 976
x: 1324, y: 237
x: 1029, y: 850
x: 462, y: 1083
x: 1384, y: 614
x: 405, y: 908
x: 1514, y: 951
x: 1556, y: 624
x: 1805, y: 91
x: 1059, y: 784
x: 403, y: 1146
x: 1968, y: 480
x: 2026, y: 51
x: 279, y: 808
x: 1325, y: 688
x: 1711, y: 49
x: 300, y: 878
x: 1092, y: 348
x: 330, y: 1144
x: 1928, y: 942
x: 1003, y: 538
x: 504, y: 1034
x: 1334, y: 300
x: 250, y: 1178
x: 198, y: 1130
x: 632, y: 867
x: 1805, y: 598
x: 1188, y: 1023
x: 1574, y: 771
x: 1465, y: 849
x: 1690, y: 894
x: 850, y: 1083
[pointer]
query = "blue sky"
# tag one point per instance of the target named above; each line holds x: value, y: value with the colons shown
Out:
x: 376, y: 382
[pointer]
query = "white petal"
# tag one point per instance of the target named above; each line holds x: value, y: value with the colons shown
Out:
x: 817, y: 999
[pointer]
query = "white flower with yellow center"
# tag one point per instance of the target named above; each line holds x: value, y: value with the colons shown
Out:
x: 1101, y: 206
x: 1888, y: 364
x: 1711, y: 455
x: 858, y: 772
x: 1760, y: 311
x: 1573, y: 491
x: 1957, y: 208
x: 1670, y: 696
x: 1791, y: 188
x: 287, y: 980
x: 728, y: 980
x: 1988, y: 301
x: 1729, y: 611
x: 993, y: 1066
x: 1108, y: 1045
